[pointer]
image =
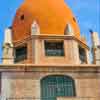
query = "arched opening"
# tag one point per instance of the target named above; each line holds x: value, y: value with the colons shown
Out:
x: 82, y: 55
x: 57, y: 86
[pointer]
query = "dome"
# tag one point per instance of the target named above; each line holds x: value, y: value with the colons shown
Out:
x: 52, y: 17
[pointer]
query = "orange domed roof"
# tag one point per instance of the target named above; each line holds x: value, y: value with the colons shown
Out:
x: 51, y: 15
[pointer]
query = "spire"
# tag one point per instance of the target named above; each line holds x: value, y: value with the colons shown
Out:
x: 35, y: 29
x: 95, y: 47
x: 8, y: 36
x: 69, y: 30
x: 95, y: 39
x: 8, y: 47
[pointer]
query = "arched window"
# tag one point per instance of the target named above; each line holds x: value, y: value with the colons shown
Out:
x: 82, y: 55
x: 55, y: 86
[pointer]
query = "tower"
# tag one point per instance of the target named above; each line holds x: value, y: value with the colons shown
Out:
x: 8, y: 56
x: 95, y: 48
x: 46, y: 33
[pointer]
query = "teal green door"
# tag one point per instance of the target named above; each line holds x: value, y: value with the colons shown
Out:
x: 55, y: 86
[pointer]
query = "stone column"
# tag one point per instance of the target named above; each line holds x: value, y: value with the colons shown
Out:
x: 87, y: 56
x: 8, y: 57
x: 95, y: 47
x: 6, y: 86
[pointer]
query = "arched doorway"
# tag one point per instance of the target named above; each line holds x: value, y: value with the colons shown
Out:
x: 54, y: 86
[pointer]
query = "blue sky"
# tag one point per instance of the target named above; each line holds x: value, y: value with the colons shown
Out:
x: 87, y: 13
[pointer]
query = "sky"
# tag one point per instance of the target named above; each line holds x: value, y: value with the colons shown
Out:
x: 87, y: 13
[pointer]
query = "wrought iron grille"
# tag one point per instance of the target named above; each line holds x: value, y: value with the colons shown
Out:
x: 55, y: 86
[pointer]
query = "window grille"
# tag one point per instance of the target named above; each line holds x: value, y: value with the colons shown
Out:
x: 82, y: 55
x: 54, y: 48
x: 55, y: 86
x: 20, y: 53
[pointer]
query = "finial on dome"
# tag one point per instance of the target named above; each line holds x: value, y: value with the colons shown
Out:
x: 35, y: 29
x: 69, y: 30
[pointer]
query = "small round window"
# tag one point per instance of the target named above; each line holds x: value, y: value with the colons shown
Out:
x: 74, y: 19
x: 22, y: 17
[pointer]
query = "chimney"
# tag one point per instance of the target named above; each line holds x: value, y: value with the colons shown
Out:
x: 69, y: 30
x: 8, y: 47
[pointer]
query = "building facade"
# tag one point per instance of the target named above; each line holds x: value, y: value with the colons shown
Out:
x: 45, y: 57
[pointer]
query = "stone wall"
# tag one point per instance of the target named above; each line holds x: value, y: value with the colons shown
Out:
x: 24, y: 84
x: 36, y: 50
x: 71, y: 53
x: 77, y: 98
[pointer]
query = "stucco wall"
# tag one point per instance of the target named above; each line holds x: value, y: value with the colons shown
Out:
x: 27, y: 84
x: 71, y: 54
x: 78, y: 98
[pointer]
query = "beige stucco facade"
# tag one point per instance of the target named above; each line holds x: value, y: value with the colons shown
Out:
x: 24, y: 81
x: 36, y: 49
x: 26, y: 60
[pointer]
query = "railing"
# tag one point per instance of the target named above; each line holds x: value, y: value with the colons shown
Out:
x: 59, y: 98
x: 54, y: 52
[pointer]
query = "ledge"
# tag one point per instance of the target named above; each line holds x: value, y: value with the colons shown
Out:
x: 78, y: 98
x: 46, y: 36
x: 36, y: 67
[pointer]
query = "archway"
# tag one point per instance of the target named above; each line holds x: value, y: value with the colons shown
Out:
x: 54, y: 86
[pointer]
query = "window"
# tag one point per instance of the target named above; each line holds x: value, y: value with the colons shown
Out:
x: 35, y: 29
x: 54, y: 48
x: 22, y: 17
x: 20, y: 53
x: 57, y: 85
x: 74, y: 19
x: 82, y: 55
